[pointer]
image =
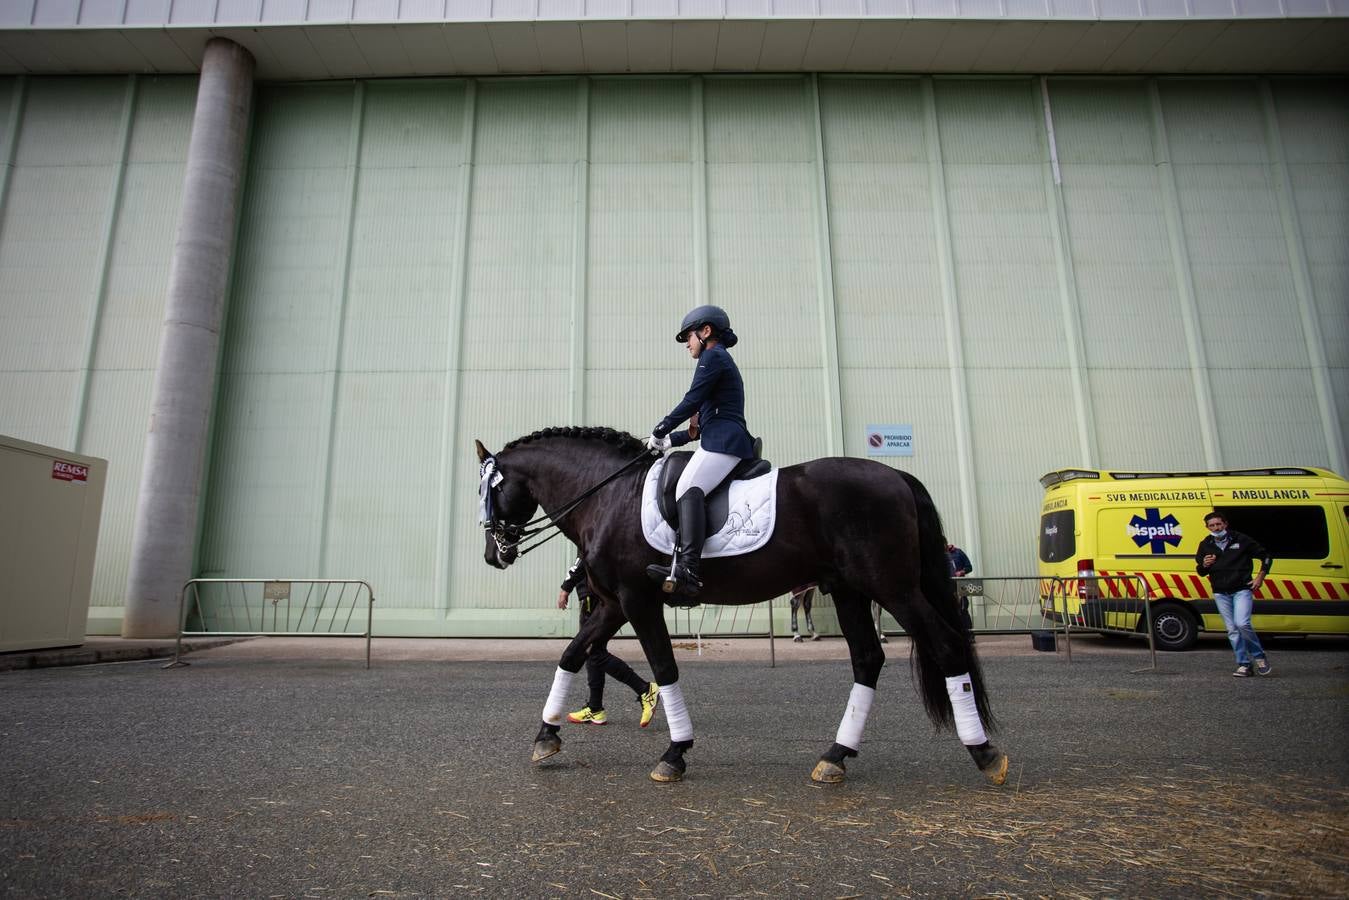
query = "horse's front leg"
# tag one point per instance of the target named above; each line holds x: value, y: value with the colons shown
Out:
x: 602, y: 625
x: 854, y: 619
x: 644, y: 611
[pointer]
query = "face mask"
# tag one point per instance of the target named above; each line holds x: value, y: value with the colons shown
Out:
x: 1217, y: 535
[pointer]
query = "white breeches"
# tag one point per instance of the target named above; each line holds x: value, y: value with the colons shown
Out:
x: 706, y: 470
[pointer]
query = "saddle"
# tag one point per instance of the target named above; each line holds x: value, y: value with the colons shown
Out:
x: 718, y: 502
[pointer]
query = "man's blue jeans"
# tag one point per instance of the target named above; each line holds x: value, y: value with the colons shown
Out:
x: 1235, y: 608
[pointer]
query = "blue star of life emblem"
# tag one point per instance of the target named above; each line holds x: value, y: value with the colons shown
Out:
x: 1154, y: 529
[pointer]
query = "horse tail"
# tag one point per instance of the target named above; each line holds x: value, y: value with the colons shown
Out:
x: 939, y: 590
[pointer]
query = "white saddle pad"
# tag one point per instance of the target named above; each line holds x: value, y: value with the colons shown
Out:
x: 749, y: 524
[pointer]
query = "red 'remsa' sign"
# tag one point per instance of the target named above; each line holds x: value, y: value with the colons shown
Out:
x: 64, y: 471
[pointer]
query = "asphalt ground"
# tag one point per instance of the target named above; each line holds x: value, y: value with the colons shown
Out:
x: 275, y: 769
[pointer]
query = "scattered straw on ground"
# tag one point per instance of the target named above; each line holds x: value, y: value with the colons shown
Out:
x: 1191, y: 830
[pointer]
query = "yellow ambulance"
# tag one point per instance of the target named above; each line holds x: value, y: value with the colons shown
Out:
x: 1107, y: 536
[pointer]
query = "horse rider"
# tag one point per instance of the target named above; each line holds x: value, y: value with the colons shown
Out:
x: 717, y: 394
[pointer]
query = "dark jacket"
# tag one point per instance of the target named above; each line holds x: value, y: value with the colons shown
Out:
x: 1231, y: 571
x: 576, y: 581
x: 957, y: 559
x: 718, y: 396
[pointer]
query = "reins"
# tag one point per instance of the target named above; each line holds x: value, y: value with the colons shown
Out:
x: 524, y: 531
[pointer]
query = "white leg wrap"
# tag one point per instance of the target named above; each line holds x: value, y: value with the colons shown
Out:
x: 855, y: 716
x: 676, y: 713
x: 968, y: 726
x: 556, y: 706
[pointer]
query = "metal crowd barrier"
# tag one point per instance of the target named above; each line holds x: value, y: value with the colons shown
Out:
x: 1004, y: 605
x: 1029, y: 604
x: 272, y: 607
x: 1102, y: 604
x: 705, y: 620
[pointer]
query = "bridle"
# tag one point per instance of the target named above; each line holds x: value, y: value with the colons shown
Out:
x: 510, y: 536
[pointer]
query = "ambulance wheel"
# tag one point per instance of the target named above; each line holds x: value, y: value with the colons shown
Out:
x: 1174, y: 627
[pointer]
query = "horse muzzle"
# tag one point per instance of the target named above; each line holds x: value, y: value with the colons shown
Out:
x: 499, y: 555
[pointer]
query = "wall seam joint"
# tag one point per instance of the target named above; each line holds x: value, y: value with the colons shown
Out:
x: 1180, y: 260
x: 453, y: 344
x: 104, y: 265
x: 337, y: 334
x: 950, y: 297
x: 1302, y: 282
x: 824, y: 281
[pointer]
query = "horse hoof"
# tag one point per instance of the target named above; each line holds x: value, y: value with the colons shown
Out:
x: 827, y: 772
x: 666, y: 773
x: 997, y: 771
x: 545, y: 749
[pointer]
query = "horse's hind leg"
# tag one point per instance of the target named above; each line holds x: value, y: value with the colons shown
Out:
x: 854, y: 618
x: 949, y: 677
x: 603, y: 624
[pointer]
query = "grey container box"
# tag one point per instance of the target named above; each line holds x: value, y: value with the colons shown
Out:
x: 51, y: 502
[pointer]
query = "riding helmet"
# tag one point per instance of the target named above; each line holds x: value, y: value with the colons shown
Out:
x: 708, y: 315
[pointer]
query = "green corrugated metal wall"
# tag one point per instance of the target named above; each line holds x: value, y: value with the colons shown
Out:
x: 93, y: 170
x: 425, y: 262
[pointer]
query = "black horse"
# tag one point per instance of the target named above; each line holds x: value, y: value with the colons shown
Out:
x: 860, y: 529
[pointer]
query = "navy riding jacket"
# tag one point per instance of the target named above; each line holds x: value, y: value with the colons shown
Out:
x: 718, y: 396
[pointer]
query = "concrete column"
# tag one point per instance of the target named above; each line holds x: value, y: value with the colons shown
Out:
x: 168, y: 504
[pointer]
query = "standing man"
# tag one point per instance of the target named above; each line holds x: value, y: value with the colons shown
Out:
x: 1226, y: 557
x: 599, y: 661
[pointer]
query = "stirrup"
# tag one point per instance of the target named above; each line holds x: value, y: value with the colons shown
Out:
x: 686, y: 586
x: 664, y: 574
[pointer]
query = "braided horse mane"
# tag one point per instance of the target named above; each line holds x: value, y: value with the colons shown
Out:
x: 619, y: 440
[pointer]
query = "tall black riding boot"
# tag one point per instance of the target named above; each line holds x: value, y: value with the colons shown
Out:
x: 682, y: 575
x: 685, y: 578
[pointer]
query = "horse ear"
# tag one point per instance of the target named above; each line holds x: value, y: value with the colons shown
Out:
x: 483, y: 452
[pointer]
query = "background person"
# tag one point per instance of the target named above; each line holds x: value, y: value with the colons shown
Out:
x: 1227, y: 558
x: 960, y: 567
x: 600, y: 662
x: 960, y: 563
